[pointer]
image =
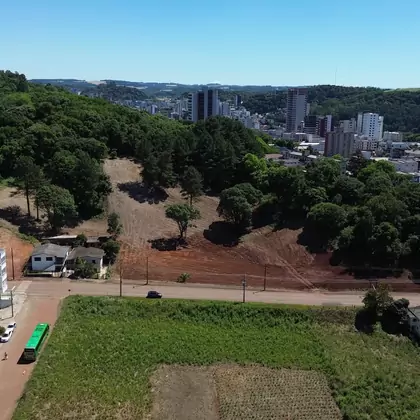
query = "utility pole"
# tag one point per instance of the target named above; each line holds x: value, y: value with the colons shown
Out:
x: 13, y: 264
x: 121, y: 281
x: 265, y: 277
x: 243, y: 288
x: 11, y: 301
x: 147, y: 270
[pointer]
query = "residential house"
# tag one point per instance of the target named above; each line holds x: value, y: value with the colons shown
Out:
x: 91, y: 255
x: 49, y: 258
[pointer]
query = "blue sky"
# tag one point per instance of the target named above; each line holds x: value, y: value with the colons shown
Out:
x: 277, y: 42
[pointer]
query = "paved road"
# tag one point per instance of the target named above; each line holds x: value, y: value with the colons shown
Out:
x: 62, y: 288
x: 43, y: 297
x: 13, y: 376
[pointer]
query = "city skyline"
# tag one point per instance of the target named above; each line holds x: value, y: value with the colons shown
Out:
x: 230, y: 42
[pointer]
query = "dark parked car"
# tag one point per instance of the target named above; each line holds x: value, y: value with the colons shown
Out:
x: 153, y: 295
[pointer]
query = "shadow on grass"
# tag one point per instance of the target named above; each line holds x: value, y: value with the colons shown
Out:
x: 139, y: 192
x: 27, y: 225
x: 222, y: 233
x: 167, y: 244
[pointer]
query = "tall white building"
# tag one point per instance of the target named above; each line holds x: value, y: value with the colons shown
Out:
x: 203, y: 104
x: 370, y: 125
x: 3, y: 271
x: 297, y: 109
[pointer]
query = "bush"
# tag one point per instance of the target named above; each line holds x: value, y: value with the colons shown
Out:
x: 183, y: 277
x: 84, y: 269
x: 111, y: 248
x: 2, y: 330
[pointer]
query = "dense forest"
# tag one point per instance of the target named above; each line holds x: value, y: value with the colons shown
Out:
x: 112, y: 92
x: 401, y: 108
x: 369, y: 219
x: 53, y: 139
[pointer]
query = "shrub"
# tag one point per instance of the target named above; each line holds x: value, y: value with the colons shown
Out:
x: 183, y: 277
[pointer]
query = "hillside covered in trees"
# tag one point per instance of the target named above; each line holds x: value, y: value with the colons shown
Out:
x: 112, y: 92
x: 53, y: 143
x: 400, y: 108
x: 370, y: 219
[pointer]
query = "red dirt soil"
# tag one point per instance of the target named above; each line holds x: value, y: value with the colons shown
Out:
x: 21, y: 252
x: 275, y: 256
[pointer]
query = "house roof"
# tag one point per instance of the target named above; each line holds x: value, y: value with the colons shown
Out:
x: 51, y: 249
x: 81, y: 252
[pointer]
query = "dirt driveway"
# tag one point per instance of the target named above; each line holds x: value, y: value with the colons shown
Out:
x: 13, y: 376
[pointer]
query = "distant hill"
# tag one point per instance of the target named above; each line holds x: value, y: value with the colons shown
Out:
x: 400, y: 107
x: 65, y: 83
x: 158, y: 88
x: 115, y: 93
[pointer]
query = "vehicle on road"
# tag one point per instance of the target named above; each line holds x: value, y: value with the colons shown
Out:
x: 7, y: 335
x: 153, y: 294
x: 11, y: 326
x: 34, y: 345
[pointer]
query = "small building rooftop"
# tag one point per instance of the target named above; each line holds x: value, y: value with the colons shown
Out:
x: 51, y: 249
x: 81, y: 252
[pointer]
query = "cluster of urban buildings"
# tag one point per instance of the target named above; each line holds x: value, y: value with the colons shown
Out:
x: 205, y: 103
x: 319, y: 136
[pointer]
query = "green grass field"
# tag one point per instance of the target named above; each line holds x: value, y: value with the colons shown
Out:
x: 100, y: 356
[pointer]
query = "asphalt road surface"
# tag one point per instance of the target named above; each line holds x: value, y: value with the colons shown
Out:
x: 63, y: 288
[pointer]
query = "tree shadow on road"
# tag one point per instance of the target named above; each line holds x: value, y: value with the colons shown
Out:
x: 141, y: 193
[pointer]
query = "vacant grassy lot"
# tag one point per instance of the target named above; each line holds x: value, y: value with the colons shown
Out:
x: 103, y: 352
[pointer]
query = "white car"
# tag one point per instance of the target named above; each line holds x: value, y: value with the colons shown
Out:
x: 7, y: 335
x: 11, y: 326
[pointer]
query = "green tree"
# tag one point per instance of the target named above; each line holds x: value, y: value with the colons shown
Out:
x: 378, y: 299
x: 182, y: 215
x: 81, y: 240
x: 387, y: 208
x: 325, y: 222
x: 251, y: 194
x: 150, y: 171
x: 31, y: 176
x: 323, y: 172
x: 111, y: 248
x: 191, y: 184
x: 289, y: 185
x: 58, y: 205
x: 235, y: 208
x: 84, y: 269
x: 380, y: 166
x: 385, y: 245
x: 350, y: 189
x: 114, y: 225
x: 254, y: 170
x: 356, y: 163
x: 312, y: 196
